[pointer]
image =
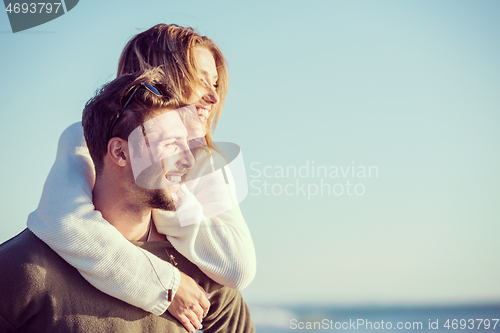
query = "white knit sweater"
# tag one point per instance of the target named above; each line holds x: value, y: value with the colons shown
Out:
x: 67, y: 221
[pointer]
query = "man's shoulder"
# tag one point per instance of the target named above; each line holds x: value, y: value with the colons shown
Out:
x: 40, y: 292
x: 24, y: 253
x: 24, y: 244
x: 24, y: 261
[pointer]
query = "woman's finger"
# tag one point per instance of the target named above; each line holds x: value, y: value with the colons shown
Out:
x: 193, y: 319
x: 186, y: 322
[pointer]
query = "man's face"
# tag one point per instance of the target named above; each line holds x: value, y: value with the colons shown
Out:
x: 160, y: 156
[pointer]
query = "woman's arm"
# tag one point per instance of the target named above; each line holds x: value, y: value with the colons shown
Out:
x: 208, y: 227
x: 67, y: 221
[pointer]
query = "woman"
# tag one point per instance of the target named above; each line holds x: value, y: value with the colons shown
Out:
x: 65, y: 219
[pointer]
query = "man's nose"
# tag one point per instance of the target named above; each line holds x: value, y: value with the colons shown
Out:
x: 187, y: 159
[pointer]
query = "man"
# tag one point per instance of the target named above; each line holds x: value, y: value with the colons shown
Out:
x: 40, y: 292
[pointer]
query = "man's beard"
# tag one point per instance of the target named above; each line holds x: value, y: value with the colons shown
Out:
x: 159, y: 199
x: 151, y: 184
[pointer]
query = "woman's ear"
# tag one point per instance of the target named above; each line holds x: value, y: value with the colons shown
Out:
x: 118, y: 151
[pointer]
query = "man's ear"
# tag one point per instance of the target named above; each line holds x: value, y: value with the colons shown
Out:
x: 118, y: 151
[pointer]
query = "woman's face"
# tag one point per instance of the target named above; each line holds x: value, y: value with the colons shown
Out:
x: 205, y: 97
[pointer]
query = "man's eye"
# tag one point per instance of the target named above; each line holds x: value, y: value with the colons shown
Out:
x: 169, y: 144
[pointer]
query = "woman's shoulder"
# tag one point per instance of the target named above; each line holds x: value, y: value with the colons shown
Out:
x: 73, y: 131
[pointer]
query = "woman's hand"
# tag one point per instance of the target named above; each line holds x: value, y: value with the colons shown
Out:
x: 190, y: 304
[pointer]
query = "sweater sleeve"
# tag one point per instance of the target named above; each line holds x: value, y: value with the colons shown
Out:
x: 67, y: 221
x: 209, y: 229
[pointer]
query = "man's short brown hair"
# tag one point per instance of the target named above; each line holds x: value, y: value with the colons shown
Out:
x: 101, y: 111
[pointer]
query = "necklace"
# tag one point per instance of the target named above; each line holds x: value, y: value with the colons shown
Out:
x: 172, y: 261
x: 149, y: 231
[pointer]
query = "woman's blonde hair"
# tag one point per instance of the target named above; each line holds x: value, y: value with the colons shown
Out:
x: 172, y: 48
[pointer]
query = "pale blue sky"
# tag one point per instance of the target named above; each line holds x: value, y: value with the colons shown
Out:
x: 411, y: 87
